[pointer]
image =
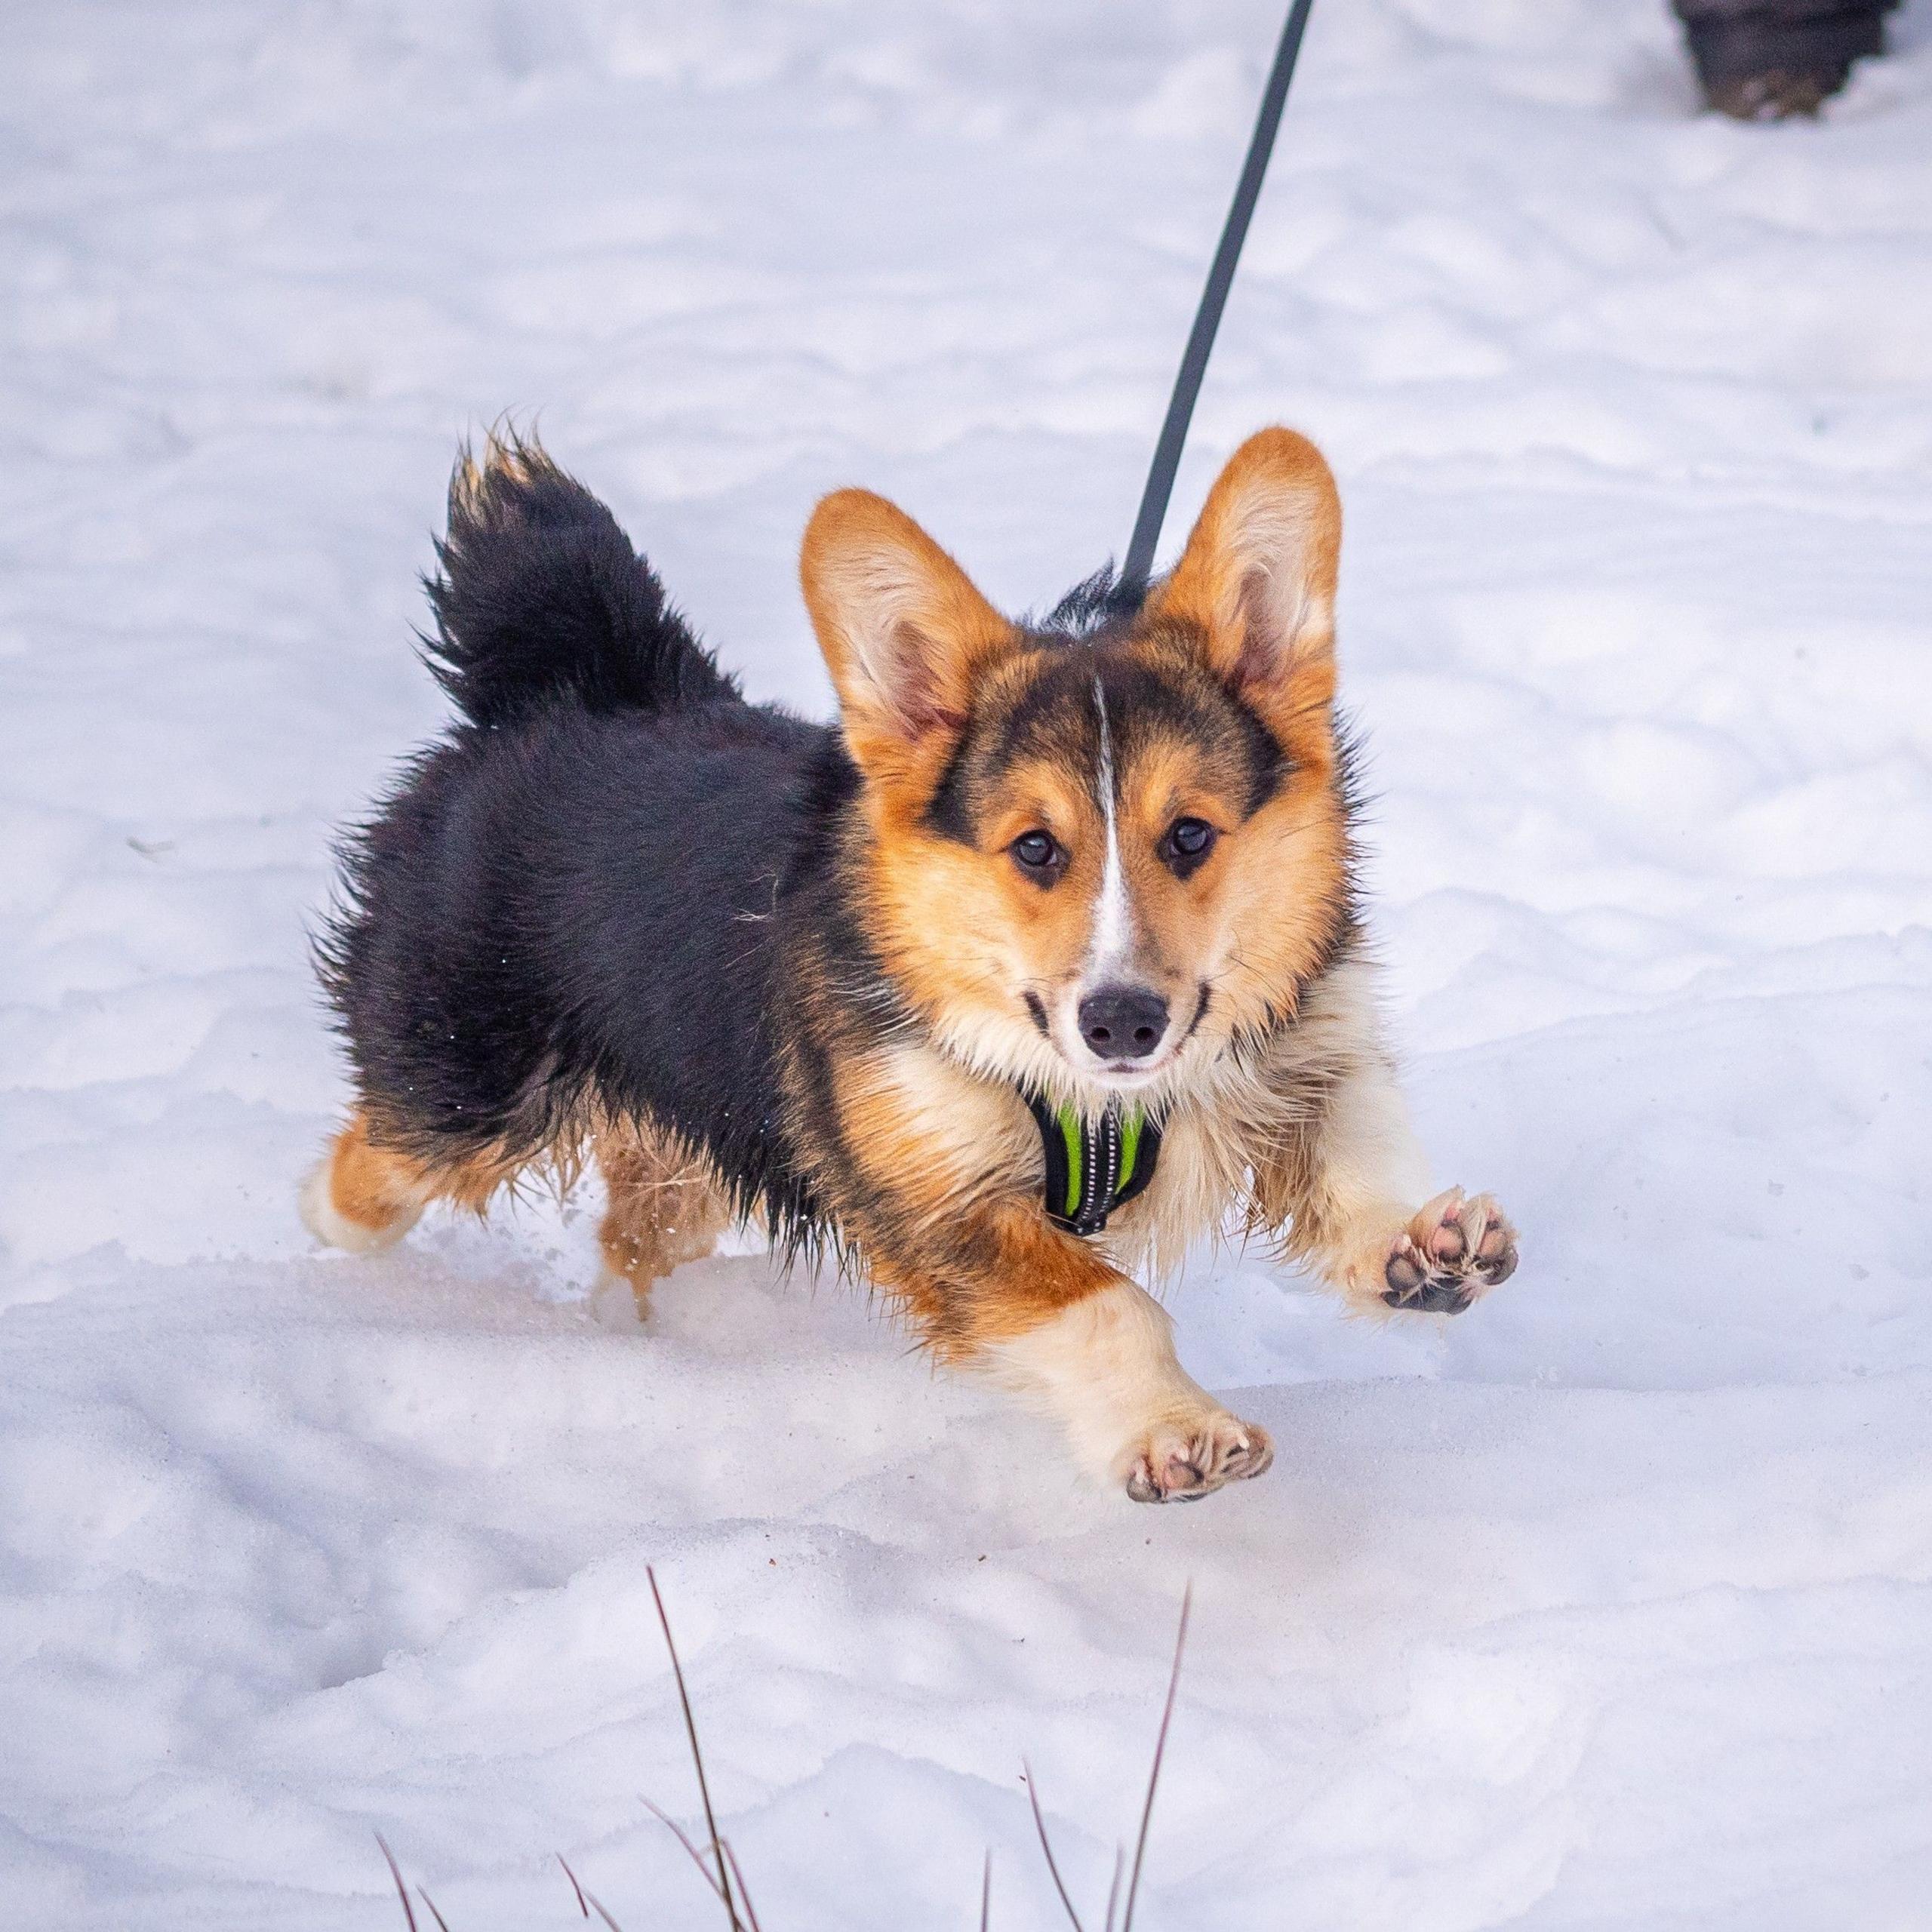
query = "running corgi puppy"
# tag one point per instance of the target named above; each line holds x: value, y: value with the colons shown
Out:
x: 1041, y: 965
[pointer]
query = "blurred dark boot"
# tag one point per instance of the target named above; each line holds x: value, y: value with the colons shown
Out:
x: 1765, y: 59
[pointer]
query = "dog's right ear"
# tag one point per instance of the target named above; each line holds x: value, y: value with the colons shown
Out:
x: 903, y: 631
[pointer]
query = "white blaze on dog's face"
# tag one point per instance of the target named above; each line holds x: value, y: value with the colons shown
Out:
x: 1105, y: 846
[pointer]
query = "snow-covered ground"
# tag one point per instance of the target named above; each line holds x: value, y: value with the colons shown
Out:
x: 1608, y: 1606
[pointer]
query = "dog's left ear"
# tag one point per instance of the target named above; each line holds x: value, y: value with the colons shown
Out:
x: 1256, y: 581
x: 903, y: 631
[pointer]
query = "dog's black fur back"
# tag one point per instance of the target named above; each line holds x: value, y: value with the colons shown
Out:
x: 572, y: 900
x: 541, y: 594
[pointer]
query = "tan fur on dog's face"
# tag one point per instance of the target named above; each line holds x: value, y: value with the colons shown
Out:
x: 983, y: 745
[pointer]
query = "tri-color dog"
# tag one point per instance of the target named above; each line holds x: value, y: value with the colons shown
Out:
x: 1042, y: 964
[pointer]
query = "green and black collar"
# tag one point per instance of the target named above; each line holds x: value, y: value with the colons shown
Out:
x: 1093, y: 1167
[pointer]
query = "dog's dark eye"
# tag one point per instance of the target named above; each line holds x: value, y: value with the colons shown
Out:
x: 1037, y: 853
x: 1188, y: 842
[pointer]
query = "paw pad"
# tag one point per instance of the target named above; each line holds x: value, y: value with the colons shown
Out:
x: 1454, y: 1251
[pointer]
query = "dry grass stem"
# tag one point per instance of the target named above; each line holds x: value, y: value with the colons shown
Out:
x: 1154, y: 1772
x: 395, y: 1872
x: 1047, y: 1846
x: 744, y: 1890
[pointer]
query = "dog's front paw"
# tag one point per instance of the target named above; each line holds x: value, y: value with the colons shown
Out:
x: 1181, y: 1462
x: 1452, y: 1252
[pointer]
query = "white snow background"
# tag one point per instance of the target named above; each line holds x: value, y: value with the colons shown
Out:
x: 1609, y: 1605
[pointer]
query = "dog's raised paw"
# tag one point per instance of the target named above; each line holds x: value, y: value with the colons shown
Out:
x: 1453, y: 1251
x: 1183, y: 1462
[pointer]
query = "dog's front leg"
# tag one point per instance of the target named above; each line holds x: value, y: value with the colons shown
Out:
x: 1343, y: 1184
x: 1047, y: 1313
x: 1106, y: 1365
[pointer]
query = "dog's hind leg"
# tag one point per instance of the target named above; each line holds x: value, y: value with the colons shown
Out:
x: 363, y: 1197
x: 667, y: 1206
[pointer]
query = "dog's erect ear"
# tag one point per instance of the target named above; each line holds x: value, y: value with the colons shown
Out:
x: 1257, y: 578
x: 903, y: 629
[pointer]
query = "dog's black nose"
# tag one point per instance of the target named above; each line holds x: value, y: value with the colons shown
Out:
x: 1123, y: 1022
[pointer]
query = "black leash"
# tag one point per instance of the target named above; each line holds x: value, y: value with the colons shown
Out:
x: 1139, y: 565
x: 1092, y: 1168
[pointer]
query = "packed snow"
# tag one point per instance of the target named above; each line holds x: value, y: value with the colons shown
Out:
x: 1608, y: 1605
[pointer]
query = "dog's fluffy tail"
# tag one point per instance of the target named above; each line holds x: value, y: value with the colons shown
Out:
x: 540, y: 596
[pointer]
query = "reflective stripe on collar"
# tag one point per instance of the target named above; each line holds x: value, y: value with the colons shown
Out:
x: 1093, y: 1167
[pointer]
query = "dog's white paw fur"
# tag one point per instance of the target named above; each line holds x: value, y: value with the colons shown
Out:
x: 329, y: 1226
x: 1135, y: 1419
